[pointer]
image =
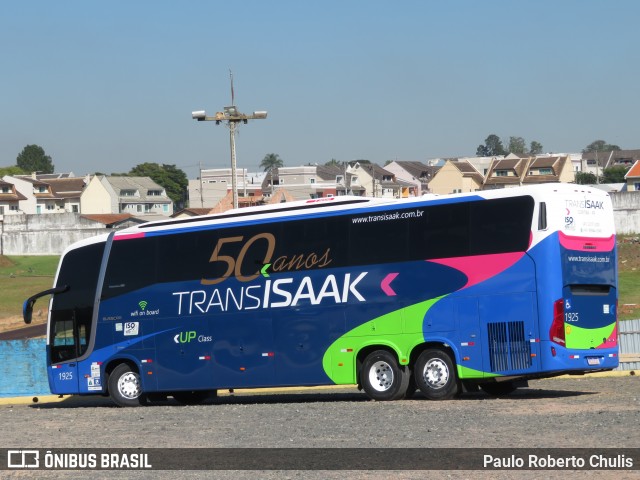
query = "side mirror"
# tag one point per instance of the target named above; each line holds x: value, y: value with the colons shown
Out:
x: 27, y: 306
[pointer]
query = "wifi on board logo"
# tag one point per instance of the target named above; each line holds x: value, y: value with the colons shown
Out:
x: 143, y: 310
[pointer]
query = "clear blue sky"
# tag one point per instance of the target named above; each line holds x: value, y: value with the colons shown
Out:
x: 104, y: 86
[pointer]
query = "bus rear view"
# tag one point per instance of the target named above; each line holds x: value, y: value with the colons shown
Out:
x: 579, y: 297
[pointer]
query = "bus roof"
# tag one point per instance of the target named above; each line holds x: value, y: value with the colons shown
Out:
x: 329, y: 205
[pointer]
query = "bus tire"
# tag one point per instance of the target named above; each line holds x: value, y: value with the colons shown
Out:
x: 125, y: 388
x: 411, y: 388
x: 498, y: 389
x: 193, y: 397
x: 435, y: 375
x: 382, y: 378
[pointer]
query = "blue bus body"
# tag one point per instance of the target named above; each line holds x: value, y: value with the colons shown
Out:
x: 441, y: 294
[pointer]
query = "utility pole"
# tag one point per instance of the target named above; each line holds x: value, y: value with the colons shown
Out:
x: 232, y: 116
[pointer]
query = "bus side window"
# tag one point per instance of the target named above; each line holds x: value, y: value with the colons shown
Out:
x: 542, y: 216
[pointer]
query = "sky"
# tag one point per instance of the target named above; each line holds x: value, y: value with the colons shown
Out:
x: 105, y: 86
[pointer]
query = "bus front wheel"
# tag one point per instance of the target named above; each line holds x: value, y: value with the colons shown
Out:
x: 125, y: 388
x: 382, y: 378
x: 435, y: 375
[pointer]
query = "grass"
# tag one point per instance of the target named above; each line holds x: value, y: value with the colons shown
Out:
x: 21, y: 277
x: 628, y: 277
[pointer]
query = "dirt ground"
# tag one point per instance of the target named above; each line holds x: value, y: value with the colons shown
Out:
x: 15, y: 322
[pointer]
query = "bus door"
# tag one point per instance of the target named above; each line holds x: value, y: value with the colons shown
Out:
x: 69, y: 338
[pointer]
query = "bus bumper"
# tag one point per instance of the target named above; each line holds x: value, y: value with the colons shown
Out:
x: 556, y: 357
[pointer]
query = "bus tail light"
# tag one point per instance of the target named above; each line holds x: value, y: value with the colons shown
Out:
x: 556, y: 332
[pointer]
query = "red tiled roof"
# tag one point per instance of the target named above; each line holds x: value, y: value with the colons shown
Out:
x: 634, y: 171
x: 108, y: 218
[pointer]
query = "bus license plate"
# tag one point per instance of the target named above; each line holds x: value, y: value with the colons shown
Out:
x: 593, y: 360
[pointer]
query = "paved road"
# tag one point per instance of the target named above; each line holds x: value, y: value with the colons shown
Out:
x: 590, y: 412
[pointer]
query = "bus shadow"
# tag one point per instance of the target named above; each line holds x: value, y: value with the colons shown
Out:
x: 525, y: 394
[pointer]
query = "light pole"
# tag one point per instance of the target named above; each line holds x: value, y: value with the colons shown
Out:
x: 232, y: 117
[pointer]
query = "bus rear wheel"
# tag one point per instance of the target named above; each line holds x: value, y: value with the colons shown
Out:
x: 382, y: 378
x: 125, y: 388
x: 435, y: 375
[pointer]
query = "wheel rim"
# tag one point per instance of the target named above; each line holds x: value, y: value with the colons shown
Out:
x: 129, y: 386
x: 436, y: 373
x: 381, y: 376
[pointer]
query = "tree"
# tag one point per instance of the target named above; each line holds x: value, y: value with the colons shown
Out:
x: 12, y: 170
x: 333, y: 163
x: 173, y: 179
x: 33, y: 159
x: 586, y: 178
x: 271, y: 161
x: 600, y: 146
x: 535, y: 148
x: 614, y: 174
x: 492, y: 147
x: 517, y: 145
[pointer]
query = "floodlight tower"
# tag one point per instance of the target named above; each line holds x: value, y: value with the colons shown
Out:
x: 232, y: 117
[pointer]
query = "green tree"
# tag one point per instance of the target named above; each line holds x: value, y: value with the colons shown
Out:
x: 271, y: 161
x: 600, y: 146
x: 614, y: 174
x: 173, y: 179
x: 12, y: 170
x: 517, y: 145
x: 492, y: 146
x: 33, y: 159
x: 586, y: 178
x: 535, y: 148
x: 333, y: 163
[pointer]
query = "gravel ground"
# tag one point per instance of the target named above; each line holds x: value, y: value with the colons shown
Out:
x: 589, y: 412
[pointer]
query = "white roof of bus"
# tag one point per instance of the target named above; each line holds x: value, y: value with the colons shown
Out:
x: 346, y: 203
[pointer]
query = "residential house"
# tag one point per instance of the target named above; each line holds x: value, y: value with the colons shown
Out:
x: 328, y: 176
x: 191, y: 212
x: 304, y: 182
x: 481, y: 164
x: 513, y: 171
x: 134, y: 195
x: 506, y: 172
x: 371, y: 180
x: 10, y: 199
x: 349, y: 183
x: 632, y: 177
x: 215, y: 183
x: 550, y: 169
x: 300, y: 182
x: 596, y: 162
x: 51, y: 195
x: 456, y: 177
x: 415, y: 173
x: 115, y: 221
